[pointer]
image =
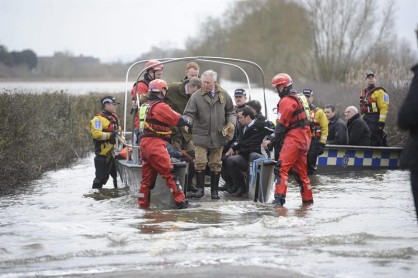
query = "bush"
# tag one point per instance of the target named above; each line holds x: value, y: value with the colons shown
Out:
x: 41, y: 132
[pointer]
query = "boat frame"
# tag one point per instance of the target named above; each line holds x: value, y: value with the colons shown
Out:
x: 130, y: 169
x: 260, y: 179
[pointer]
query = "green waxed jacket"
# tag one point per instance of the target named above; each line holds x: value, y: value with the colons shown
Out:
x: 177, y: 98
x: 209, y: 115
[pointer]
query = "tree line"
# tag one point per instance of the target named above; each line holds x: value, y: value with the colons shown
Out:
x: 319, y: 40
x: 17, y: 58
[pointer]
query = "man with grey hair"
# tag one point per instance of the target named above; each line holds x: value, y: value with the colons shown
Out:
x: 212, y: 114
x: 358, y: 130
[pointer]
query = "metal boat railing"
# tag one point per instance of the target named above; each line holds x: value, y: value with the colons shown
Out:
x: 217, y: 60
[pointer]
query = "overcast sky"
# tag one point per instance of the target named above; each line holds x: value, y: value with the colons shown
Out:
x: 123, y: 29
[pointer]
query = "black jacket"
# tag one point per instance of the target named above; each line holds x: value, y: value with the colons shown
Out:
x: 408, y: 120
x: 358, y: 131
x: 250, y: 141
x: 237, y: 134
x: 337, y: 132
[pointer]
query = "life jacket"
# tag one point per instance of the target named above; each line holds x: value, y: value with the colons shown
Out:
x: 113, y: 125
x: 301, y: 116
x: 149, y: 126
x: 367, y: 104
x: 135, y: 87
x: 314, y: 124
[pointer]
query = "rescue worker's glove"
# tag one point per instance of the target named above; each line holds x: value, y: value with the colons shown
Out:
x: 321, y: 147
x: 381, y: 125
x: 186, y: 157
x: 228, y: 130
x: 113, y: 134
x: 184, y: 121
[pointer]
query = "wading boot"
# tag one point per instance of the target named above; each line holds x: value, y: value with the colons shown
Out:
x: 191, y: 191
x: 97, y: 184
x: 279, y: 200
x: 183, y: 204
x: 214, y: 183
x: 200, y: 179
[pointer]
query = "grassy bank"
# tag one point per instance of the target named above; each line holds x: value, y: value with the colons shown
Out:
x: 42, y: 132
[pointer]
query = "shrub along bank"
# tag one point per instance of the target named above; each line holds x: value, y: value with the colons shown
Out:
x: 41, y: 132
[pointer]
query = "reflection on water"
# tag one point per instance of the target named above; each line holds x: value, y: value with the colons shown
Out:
x: 106, y: 193
x: 361, y: 225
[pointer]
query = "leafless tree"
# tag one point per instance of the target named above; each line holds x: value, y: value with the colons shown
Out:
x: 346, y: 31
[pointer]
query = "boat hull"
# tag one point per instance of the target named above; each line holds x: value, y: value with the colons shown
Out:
x: 131, y: 175
x: 338, y: 158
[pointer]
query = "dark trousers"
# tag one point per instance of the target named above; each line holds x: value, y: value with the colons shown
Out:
x: 225, y: 172
x: 237, y: 164
x: 377, y: 136
x: 104, y: 168
x: 313, y: 153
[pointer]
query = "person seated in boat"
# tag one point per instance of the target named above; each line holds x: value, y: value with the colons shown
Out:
x: 104, y: 129
x: 247, y: 148
x: 337, y: 128
x: 240, y: 99
x: 358, y: 130
x: 156, y: 119
x: 178, y: 94
x: 212, y: 114
x: 319, y: 132
x: 256, y: 105
x: 154, y: 71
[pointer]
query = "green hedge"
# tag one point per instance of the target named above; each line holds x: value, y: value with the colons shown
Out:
x: 41, y: 132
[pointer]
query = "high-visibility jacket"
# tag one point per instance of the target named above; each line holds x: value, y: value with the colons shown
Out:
x: 375, y: 100
x: 319, y: 124
x: 139, y: 88
x: 101, y: 128
x: 156, y: 119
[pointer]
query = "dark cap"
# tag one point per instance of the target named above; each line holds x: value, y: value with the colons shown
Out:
x: 308, y: 92
x: 240, y: 92
x: 369, y: 73
x: 109, y: 99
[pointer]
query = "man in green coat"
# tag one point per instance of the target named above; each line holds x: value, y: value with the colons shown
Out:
x: 212, y: 114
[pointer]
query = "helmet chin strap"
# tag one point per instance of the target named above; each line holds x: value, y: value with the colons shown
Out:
x: 285, y: 92
x: 161, y: 95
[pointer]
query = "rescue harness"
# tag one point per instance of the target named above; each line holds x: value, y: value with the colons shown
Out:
x: 150, y: 127
x: 367, y: 104
x: 314, y: 124
x: 301, y: 116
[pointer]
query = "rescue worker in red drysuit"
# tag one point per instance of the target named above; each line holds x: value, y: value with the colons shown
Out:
x: 154, y: 71
x: 292, y: 139
x: 156, y: 120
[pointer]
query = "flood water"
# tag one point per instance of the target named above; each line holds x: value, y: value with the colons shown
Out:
x: 361, y: 225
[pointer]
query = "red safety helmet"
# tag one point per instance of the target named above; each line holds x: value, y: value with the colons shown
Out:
x: 157, y: 86
x: 282, y: 79
x: 156, y: 65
